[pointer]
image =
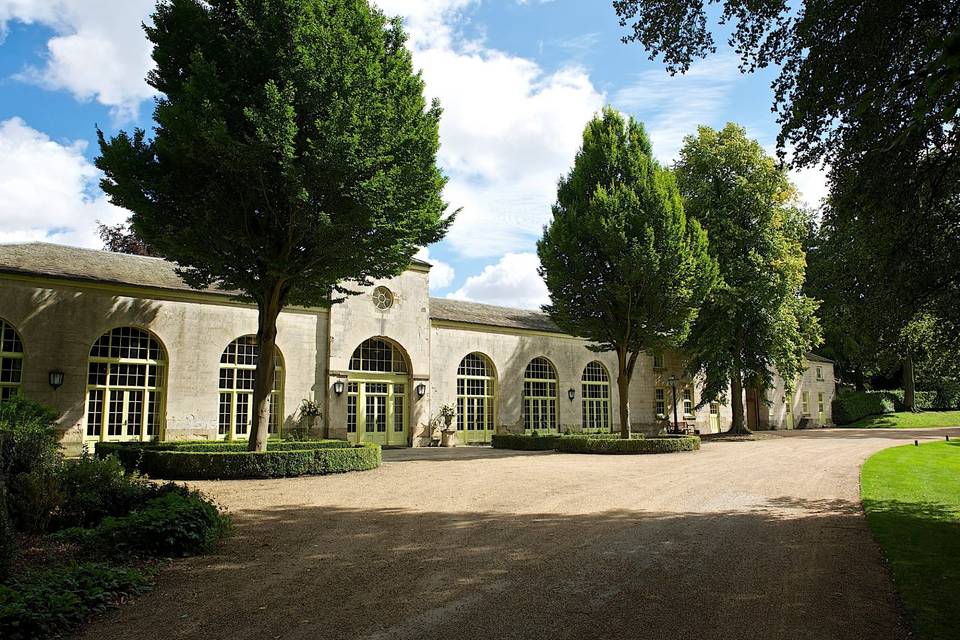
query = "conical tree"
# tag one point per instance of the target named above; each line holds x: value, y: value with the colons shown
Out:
x: 294, y: 154
x: 625, y: 267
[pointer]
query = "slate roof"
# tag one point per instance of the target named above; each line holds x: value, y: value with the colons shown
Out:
x: 490, y: 315
x: 812, y: 357
x: 60, y: 261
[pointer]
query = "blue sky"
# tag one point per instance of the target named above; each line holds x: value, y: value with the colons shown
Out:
x: 518, y: 79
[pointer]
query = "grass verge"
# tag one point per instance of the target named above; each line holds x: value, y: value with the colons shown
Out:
x: 908, y: 420
x: 911, y: 496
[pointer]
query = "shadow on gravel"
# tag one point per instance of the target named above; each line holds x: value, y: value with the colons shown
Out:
x: 785, y: 570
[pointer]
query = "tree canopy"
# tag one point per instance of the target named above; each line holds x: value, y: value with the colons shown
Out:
x: 757, y: 319
x: 293, y: 153
x: 624, y: 265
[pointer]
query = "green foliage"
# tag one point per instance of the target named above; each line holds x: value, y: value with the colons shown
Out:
x: 612, y: 445
x: 34, y: 497
x: 174, y: 524
x: 183, y: 462
x: 947, y: 395
x: 293, y: 152
x: 524, y: 442
x: 757, y: 320
x: 851, y: 406
x: 8, y: 546
x: 625, y: 267
x: 46, y: 604
x: 32, y: 440
x: 911, y: 496
x: 908, y: 420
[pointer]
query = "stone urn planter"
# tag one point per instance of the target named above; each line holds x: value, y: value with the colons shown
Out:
x: 448, y: 435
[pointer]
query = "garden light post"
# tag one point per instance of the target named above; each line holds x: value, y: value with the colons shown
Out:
x: 673, y: 389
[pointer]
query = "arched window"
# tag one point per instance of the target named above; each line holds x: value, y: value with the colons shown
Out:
x: 540, y: 396
x: 595, y: 391
x: 11, y: 360
x: 237, y: 367
x: 475, y: 397
x: 378, y: 355
x: 126, y: 375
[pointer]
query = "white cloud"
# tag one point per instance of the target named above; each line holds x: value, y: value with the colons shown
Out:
x: 99, y: 52
x: 811, y: 182
x: 441, y: 273
x: 48, y: 189
x: 509, y: 129
x: 513, y: 282
x: 673, y: 106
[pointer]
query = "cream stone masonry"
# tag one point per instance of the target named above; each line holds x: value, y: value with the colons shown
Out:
x: 60, y: 300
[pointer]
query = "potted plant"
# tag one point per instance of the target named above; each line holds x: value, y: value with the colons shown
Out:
x: 310, y: 412
x: 448, y: 433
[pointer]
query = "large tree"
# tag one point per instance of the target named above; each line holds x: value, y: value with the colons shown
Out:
x: 871, y: 88
x: 625, y: 267
x: 293, y: 154
x: 757, y: 320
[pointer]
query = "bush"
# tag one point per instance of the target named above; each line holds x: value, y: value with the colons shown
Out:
x: 524, y: 442
x: 947, y: 395
x: 94, y: 488
x: 312, y: 458
x: 31, y: 442
x: 852, y: 406
x: 175, y: 524
x: 34, y: 497
x: 46, y: 604
x: 7, y: 543
x: 613, y: 445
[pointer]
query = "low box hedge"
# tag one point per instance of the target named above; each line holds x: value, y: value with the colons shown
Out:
x: 280, y: 460
x: 614, y: 445
x: 524, y: 441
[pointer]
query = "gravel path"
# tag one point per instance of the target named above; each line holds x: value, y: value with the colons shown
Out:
x: 759, y: 539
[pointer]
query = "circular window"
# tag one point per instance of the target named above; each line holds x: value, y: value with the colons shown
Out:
x: 382, y: 298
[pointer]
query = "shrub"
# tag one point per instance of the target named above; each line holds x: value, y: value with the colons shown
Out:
x: 31, y: 441
x: 175, y: 524
x: 947, y: 395
x: 94, y: 488
x: 7, y: 543
x: 613, y: 445
x: 524, y: 442
x: 33, y: 498
x: 46, y: 604
x: 852, y: 406
x: 312, y: 458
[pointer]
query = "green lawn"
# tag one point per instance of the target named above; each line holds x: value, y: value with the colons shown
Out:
x: 908, y: 420
x: 912, y: 499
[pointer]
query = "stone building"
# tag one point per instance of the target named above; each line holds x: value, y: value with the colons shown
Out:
x: 143, y: 356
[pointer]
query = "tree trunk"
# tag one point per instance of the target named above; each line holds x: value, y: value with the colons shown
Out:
x: 623, y: 391
x: 909, y: 385
x: 736, y: 403
x: 263, y: 382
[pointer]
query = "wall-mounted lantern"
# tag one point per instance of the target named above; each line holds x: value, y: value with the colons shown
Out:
x: 338, y: 387
x: 571, y: 394
x: 55, y: 378
x: 421, y: 390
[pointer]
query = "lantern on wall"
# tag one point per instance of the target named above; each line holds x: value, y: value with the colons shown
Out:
x: 421, y: 390
x: 55, y: 378
x: 338, y: 387
x: 571, y: 394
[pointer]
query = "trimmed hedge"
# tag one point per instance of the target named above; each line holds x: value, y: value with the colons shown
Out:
x: 311, y: 458
x: 524, y: 441
x: 853, y: 405
x: 580, y: 444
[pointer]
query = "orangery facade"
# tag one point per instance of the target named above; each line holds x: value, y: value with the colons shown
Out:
x: 125, y: 350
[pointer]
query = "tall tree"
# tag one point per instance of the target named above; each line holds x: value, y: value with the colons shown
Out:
x: 758, y: 319
x: 121, y: 238
x: 887, y: 124
x: 625, y: 267
x: 293, y: 154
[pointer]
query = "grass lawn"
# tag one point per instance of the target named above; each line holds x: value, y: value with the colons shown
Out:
x: 908, y: 420
x: 912, y: 499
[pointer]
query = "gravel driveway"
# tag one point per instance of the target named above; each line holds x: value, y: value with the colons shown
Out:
x: 759, y: 539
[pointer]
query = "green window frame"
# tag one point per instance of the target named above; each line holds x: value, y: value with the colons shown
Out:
x: 238, y: 363
x: 688, y: 403
x: 595, y: 394
x: 805, y: 403
x: 476, y: 393
x: 11, y: 361
x: 126, y: 384
x: 660, y: 402
x: 540, y: 385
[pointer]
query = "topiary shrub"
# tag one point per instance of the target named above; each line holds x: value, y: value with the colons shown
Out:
x: 524, y: 442
x: 613, y: 445
x: 45, y: 604
x: 852, y: 406
x: 185, y: 463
